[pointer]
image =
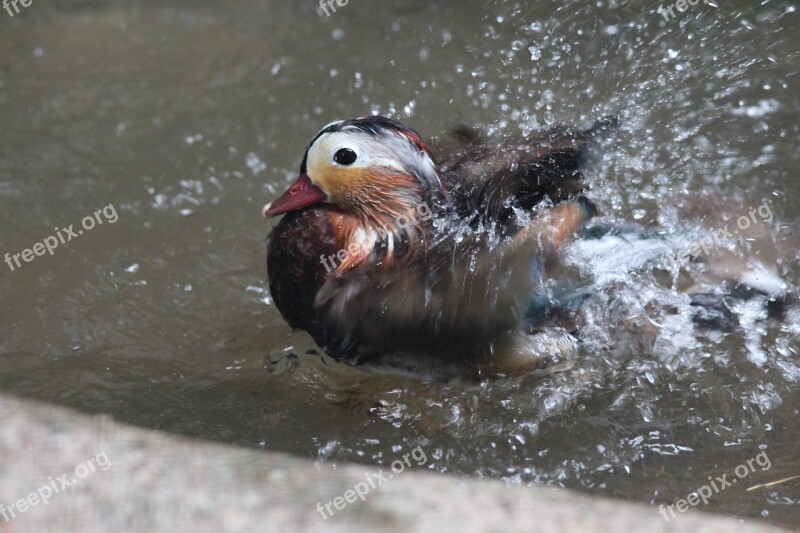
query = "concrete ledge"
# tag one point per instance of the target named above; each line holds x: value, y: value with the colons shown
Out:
x: 156, y: 482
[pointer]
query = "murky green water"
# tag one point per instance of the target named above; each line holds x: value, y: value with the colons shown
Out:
x: 187, y: 116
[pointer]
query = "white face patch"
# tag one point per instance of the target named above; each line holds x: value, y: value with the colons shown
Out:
x: 368, y: 149
x: 322, y: 152
x: 383, y: 150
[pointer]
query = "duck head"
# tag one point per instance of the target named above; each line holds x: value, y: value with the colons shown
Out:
x: 375, y: 175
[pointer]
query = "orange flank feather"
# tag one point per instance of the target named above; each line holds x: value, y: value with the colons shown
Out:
x: 553, y: 230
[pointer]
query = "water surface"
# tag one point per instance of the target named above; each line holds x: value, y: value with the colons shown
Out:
x: 188, y: 116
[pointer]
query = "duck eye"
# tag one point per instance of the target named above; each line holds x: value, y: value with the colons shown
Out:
x: 345, y: 156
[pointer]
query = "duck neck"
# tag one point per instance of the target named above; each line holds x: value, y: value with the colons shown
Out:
x: 384, y: 233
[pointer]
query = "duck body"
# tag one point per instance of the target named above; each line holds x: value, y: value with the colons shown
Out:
x: 438, y: 266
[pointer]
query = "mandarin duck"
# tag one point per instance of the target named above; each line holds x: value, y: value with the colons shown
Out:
x: 390, y: 259
x: 441, y: 266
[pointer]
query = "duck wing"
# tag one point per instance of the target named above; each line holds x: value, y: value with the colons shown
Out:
x: 488, y: 180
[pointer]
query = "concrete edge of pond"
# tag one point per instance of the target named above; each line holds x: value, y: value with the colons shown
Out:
x: 124, y: 478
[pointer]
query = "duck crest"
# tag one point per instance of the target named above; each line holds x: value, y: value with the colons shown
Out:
x: 411, y: 158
